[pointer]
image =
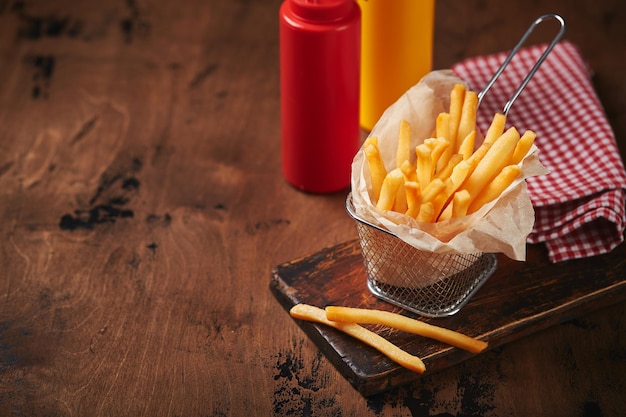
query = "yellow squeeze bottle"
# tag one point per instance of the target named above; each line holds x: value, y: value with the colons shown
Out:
x: 396, y: 52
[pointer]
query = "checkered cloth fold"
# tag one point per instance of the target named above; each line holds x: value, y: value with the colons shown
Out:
x: 580, y: 204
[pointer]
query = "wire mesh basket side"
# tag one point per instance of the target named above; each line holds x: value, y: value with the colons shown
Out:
x: 430, y: 284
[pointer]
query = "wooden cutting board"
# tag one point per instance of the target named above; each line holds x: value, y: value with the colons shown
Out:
x: 520, y: 298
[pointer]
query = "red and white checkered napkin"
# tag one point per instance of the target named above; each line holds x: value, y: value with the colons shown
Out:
x: 579, y: 205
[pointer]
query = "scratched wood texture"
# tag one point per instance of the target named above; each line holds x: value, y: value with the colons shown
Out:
x: 142, y: 211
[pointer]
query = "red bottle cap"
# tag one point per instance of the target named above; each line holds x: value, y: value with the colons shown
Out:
x: 321, y: 10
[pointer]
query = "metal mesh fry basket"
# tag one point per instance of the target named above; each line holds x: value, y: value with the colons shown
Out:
x: 427, y: 283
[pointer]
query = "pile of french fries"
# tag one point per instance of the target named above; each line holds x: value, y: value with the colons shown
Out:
x: 347, y: 319
x: 446, y: 177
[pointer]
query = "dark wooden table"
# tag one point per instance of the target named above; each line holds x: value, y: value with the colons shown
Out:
x: 142, y: 210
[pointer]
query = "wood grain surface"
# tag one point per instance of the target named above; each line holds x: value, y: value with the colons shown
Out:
x: 142, y: 210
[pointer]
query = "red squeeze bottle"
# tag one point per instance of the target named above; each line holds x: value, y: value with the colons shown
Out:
x: 319, y: 92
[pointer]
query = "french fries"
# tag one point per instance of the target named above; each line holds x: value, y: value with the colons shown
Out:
x: 450, y: 177
x: 404, y: 323
x: 349, y: 320
x: 523, y: 146
x: 403, y: 153
x: 495, y: 187
x: 492, y: 163
x: 496, y: 128
x: 457, y: 96
x: 467, y: 124
x: 376, y: 165
x: 393, y: 352
x: 389, y: 189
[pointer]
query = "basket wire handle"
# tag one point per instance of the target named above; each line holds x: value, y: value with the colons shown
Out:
x: 534, y: 69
